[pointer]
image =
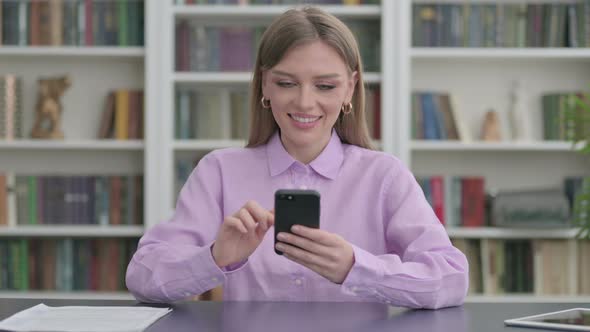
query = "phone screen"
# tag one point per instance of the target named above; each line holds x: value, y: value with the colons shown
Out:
x: 296, y: 207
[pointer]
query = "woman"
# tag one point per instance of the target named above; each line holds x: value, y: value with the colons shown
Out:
x: 379, y: 240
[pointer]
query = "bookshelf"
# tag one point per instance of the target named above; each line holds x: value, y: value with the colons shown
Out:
x: 96, y: 65
x: 403, y: 69
x: 479, y: 79
x: 211, y: 15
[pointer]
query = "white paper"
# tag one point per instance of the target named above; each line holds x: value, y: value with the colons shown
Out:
x: 43, y: 318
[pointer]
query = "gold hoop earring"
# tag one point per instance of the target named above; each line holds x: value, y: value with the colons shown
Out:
x: 265, y: 103
x: 346, y: 109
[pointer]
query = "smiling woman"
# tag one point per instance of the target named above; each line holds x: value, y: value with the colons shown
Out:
x: 307, y: 90
x: 316, y: 54
x: 378, y: 240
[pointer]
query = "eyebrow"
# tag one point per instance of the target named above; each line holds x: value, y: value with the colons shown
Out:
x: 282, y: 73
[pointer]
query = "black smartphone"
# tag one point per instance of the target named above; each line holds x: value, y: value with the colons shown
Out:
x: 296, y: 207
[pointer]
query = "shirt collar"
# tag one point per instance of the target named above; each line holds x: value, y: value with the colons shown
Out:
x: 327, y: 164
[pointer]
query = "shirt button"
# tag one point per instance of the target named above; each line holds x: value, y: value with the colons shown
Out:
x: 187, y: 294
x: 298, y: 282
x: 353, y: 289
x: 214, y: 279
x: 303, y: 187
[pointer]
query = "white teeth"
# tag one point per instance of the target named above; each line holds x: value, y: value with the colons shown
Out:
x: 304, y: 120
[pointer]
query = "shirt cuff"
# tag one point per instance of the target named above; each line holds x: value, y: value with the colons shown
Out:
x: 207, y: 274
x: 364, y: 274
x: 229, y: 268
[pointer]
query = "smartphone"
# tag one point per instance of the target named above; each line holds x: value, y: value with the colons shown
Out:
x: 296, y: 207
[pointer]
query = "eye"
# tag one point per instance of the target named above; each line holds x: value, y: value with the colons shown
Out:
x: 325, y: 87
x: 284, y: 84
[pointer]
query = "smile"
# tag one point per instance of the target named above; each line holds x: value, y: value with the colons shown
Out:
x: 304, y: 119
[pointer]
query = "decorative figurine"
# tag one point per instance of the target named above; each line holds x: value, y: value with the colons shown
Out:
x: 520, y: 127
x: 49, y: 109
x: 490, y: 130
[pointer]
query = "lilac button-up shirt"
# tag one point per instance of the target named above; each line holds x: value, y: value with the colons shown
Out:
x: 403, y: 255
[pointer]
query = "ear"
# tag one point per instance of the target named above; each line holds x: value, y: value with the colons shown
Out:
x: 351, y: 84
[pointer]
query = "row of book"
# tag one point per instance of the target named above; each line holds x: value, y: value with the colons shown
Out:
x: 72, y: 22
x: 233, y: 48
x: 435, y: 117
x: 540, y: 267
x: 123, y: 115
x: 463, y: 202
x: 456, y: 201
x: 212, y: 114
x: 65, y: 264
x: 275, y: 2
x: 11, y: 114
x: 564, y: 118
x: 225, y: 113
x: 71, y: 200
x: 502, y: 25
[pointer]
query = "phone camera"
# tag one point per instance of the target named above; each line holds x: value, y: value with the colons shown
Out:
x: 289, y: 197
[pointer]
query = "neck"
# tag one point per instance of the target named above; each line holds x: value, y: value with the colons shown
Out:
x: 306, y: 153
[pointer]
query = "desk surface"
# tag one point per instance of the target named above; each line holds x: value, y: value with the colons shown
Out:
x: 321, y: 316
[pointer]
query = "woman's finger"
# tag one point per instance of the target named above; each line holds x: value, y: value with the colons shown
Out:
x: 247, y: 219
x: 237, y: 224
x: 305, y: 244
x: 316, y: 235
x: 301, y: 255
x: 258, y: 212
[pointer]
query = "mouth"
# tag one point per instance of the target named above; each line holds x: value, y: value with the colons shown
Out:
x: 304, y: 119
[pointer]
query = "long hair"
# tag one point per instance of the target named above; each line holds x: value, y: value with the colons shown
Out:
x: 296, y: 27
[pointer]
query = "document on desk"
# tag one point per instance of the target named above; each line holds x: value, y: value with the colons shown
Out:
x: 41, y: 318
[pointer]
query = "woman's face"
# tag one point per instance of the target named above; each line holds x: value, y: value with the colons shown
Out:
x: 307, y: 89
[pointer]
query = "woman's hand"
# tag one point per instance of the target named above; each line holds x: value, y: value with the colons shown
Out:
x: 327, y: 254
x: 241, y: 233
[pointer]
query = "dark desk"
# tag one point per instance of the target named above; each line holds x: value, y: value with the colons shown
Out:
x: 324, y: 317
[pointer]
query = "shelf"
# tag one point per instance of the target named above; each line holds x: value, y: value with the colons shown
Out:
x: 237, y: 77
x: 511, y: 233
x: 258, y: 12
x: 73, y: 295
x: 71, y: 231
x: 206, y: 144
x: 442, y: 145
x: 499, y: 53
x: 107, y: 144
x: 211, y: 144
x: 74, y: 51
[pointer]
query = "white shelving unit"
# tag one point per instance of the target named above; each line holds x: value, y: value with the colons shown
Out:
x: 73, y: 295
x: 418, y: 145
x: 510, y: 233
x: 237, y: 78
x: 82, y: 144
x: 254, y: 12
x: 500, y: 53
x: 89, y: 231
x: 94, y: 71
x: 479, y: 77
x: 73, y: 51
x: 218, y: 15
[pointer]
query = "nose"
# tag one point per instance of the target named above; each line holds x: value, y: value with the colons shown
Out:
x: 306, y: 98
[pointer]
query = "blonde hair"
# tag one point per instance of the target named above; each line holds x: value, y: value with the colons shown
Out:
x: 296, y: 27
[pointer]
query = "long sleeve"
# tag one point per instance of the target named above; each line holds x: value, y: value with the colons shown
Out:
x: 173, y: 260
x: 421, y: 269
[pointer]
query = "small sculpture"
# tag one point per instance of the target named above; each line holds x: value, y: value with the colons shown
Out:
x: 48, y: 110
x: 520, y: 127
x: 490, y: 130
